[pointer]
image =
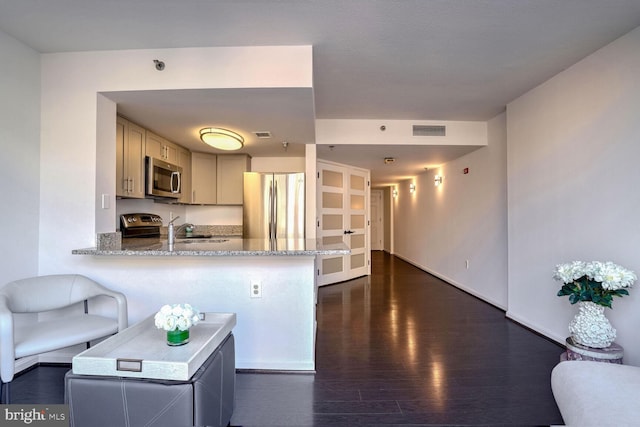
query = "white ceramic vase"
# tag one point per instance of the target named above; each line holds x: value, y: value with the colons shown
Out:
x: 590, y: 327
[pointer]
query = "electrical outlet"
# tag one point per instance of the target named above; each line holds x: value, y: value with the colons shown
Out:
x: 256, y: 289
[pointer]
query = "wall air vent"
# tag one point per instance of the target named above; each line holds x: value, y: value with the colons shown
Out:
x: 263, y: 134
x: 429, y: 130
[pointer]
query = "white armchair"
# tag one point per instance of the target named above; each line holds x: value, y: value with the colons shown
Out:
x: 46, y: 293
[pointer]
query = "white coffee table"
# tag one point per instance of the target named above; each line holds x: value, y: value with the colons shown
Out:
x: 135, y: 378
x: 141, y: 351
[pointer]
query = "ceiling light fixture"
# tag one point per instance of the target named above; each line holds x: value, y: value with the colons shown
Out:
x: 221, y: 139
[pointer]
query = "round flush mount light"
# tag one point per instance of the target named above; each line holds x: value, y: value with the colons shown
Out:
x: 222, y: 139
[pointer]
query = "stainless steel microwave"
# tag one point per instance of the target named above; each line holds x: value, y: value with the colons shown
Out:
x: 163, y: 179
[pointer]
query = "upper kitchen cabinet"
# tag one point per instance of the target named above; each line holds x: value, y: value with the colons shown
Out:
x: 203, y: 179
x: 184, y: 161
x: 230, y: 175
x: 130, y: 152
x: 160, y: 148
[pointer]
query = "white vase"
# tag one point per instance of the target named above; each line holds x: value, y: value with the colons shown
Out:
x: 590, y: 327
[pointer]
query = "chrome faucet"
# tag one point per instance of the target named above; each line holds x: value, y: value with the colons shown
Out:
x: 187, y: 227
x: 171, y: 235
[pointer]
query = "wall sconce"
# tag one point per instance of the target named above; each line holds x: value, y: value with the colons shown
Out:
x: 412, y: 188
x: 221, y: 139
x: 437, y: 180
x: 395, y: 193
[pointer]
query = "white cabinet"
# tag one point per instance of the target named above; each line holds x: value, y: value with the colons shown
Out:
x: 203, y: 179
x: 184, y: 161
x: 230, y: 178
x: 130, y: 152
x: 161, y: 148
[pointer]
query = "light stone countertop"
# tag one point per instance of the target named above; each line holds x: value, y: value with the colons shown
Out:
x: 216, y: 246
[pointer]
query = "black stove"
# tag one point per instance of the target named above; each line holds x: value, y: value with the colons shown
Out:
x: 140, y: 225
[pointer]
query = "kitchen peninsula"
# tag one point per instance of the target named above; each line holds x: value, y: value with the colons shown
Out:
x: 216, y: 246
x: 276, y: 324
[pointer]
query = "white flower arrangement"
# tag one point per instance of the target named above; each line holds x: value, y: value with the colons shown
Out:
x: 594, y: 281
x: 176, y: 317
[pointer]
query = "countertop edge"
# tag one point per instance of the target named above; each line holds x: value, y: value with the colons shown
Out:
x: 124, y: 252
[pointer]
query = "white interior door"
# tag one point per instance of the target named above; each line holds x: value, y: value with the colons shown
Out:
x: 343, y: 204
x: 377, y: 223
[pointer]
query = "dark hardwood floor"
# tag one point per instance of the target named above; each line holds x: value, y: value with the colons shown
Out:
x: 398, y: 348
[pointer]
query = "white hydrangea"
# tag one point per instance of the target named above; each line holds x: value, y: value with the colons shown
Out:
x: 176, y: 316
x: 612, y: 276
x: 570, y: 271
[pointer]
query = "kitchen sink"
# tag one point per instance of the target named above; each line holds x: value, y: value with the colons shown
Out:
x: 195, y: 236
x: 200, y: 240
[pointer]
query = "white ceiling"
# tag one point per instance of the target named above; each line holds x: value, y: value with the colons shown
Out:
x: 372, y: 59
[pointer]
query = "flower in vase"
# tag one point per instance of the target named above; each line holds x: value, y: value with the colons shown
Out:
x: 594, y: 281
x: 176, y: 317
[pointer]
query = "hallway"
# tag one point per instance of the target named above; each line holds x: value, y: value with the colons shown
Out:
x: 400, y: 348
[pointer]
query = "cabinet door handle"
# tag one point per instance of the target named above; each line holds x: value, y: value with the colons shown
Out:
x: 348, y: 232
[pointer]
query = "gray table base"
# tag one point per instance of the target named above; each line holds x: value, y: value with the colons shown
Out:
x: 207, y: 399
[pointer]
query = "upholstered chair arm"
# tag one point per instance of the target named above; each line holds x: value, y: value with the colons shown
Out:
x: 121, y: 301
x: 7, y: 355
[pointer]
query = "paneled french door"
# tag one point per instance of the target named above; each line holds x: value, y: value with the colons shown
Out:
x: 343, y: 216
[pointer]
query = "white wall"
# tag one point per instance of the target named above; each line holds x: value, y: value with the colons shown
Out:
x: 78, y: 165
x: 20, y: 148
x: 572, y: 167
x: 440, y: 228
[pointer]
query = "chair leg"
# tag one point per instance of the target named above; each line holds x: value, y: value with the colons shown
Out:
x: 86, y: 311
x: 4, y: 394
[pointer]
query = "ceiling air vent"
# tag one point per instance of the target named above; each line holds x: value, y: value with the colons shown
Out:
x: 263, y: 134
x: 429, y: 130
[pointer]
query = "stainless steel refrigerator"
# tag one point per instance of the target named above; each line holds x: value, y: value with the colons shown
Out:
x: 273, y: 205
